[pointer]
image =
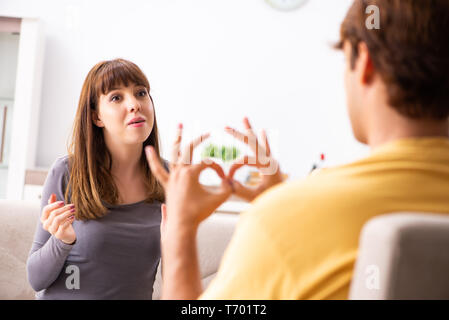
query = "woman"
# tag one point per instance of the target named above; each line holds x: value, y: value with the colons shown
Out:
x: 102, y: 239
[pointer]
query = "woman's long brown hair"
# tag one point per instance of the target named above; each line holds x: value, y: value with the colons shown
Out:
x: 91, y: 186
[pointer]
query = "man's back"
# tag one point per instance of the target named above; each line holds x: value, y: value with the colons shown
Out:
x: 299, y: 240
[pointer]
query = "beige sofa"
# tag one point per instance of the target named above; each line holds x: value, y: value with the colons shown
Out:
x: 17, y: 226
x: 401, y: 256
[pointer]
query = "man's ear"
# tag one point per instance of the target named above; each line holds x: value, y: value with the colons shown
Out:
x: 364, y: 64
x: 97, y: 120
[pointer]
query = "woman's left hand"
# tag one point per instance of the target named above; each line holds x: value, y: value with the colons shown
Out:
x: 188, y: 202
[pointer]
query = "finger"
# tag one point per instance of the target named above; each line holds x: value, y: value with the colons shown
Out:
x: 164, y: 211
x: 221, y: 195
x: 59, y: 211
x: 216, y: 196
x: 226, y: 189
x: 164, y: 214
x: 67, y: 223
x: 243, y: 192
x: 54, y: 213
x: 155, y: 166
x: 59, y: 220
x: 52, y: 198
x: 187, y: 154
x: 264, y: 140
x: 248, y: 127
x: 53, y: 225
x: 250, y: 140
x: 198, y: 168
x: 244, y: 161
x: 234, y: 167
x: 176, y: 146
x: 49, y: 208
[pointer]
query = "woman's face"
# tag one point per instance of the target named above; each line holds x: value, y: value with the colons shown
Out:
x: 126, y: 114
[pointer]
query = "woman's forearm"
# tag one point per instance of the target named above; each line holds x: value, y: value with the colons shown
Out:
x: 44, y: 264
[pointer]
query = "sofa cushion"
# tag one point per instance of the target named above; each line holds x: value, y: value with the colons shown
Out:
x: 18, y: 220
x: 213, y: 237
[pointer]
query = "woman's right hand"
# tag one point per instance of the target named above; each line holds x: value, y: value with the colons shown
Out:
x: 57, y: 219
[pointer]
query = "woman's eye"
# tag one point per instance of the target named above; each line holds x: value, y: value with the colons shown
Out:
x: 142, y: 93
x: 115, y: 98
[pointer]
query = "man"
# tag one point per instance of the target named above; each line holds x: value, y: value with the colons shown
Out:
x: 299, y: 239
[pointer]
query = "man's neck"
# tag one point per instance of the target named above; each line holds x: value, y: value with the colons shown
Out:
x: 387, y: 125
x: 413, y: 130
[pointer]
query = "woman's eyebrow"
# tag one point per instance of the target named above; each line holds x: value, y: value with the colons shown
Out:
x: 111, y: 90
x: 140, y: 86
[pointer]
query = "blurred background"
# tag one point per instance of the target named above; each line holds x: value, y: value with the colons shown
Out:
x: 209, y: 63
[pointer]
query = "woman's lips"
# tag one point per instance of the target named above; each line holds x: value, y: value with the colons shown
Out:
x: 137, y: 124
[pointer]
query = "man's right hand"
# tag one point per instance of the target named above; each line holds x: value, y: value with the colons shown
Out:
x: 263, y: 161
x: 57, y: 219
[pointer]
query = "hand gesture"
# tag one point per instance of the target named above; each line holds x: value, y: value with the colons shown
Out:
x: 57, y: 219
x: 188, y: 202
x: 163, y: 219
x: 263, y: 161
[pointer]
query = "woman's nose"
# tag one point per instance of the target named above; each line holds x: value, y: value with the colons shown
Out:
x: 133, y: 105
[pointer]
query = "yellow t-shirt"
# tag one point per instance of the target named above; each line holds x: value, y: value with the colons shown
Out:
x: 299, y: 240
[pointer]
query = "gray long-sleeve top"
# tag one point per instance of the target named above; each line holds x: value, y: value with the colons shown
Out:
x: 114, y: 257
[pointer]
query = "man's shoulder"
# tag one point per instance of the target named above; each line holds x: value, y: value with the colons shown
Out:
x: 333, y: 180
x: 317, y: 192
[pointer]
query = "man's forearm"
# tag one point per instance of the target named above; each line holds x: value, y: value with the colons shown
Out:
x: 181, y: 277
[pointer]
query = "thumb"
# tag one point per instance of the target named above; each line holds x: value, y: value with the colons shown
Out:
x: 243, y: 191
x: 52, y: 198
x: 237, y: 185
x: 225, y: 189
x: 164, y: 212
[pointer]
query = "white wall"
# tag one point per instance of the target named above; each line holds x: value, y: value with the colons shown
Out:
x: 209, y: 62
x: 9, y: 44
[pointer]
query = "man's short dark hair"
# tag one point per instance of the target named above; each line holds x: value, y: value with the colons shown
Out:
x: 410, y: 51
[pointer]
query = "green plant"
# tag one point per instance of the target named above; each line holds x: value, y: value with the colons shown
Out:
x: 224, y: 153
